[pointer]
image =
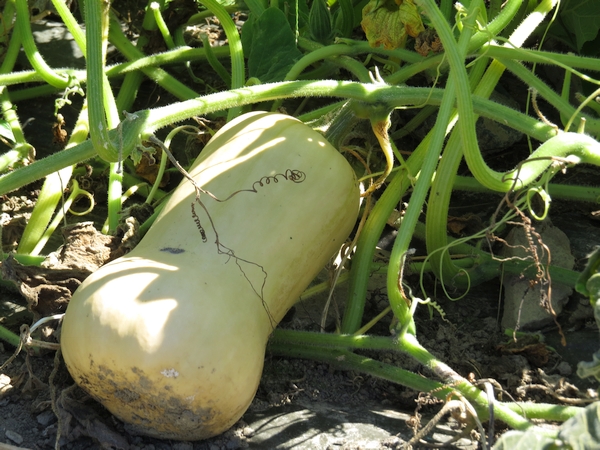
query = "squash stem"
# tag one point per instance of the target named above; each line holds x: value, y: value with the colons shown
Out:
x: 333, y: 349
x: 143, y: 122
x: 8, y: 336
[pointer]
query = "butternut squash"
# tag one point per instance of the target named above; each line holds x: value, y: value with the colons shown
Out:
x: 171, y: 337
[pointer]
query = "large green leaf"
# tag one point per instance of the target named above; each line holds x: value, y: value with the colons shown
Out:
x: 270, y: 46
x: 524, y: 440
x: 581, y: 432
x: 579, y: 22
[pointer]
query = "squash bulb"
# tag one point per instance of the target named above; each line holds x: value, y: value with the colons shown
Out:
x: 171, y: 337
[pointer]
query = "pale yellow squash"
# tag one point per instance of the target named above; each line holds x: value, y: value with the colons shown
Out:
x: 171, y: 337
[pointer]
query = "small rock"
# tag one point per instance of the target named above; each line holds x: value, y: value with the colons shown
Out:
x: 234, y: 443
x: 522, y: 299
x: 248, y: 431
x: 565, y: 369
x: 183, y: 446
x: 14, y: 436
x: 45, y: 418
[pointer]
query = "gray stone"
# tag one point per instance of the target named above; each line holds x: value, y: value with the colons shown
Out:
x: 14, y: 436
x: 46, y: 418
x: 523, y: 299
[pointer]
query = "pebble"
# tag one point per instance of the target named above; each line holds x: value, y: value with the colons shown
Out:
x: 45, y: 418
x: 234, y: 443
x: 14, y: 436
x: 565, y: 369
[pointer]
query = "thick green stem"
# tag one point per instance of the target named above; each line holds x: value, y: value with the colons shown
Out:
x: 334, y: 349
x: 33, y: 55
x: 8, y: 336
x: 409, y: 344
x: 132, y: 128
x: 556, y: 190
x: 71, y: 24
x: 178, y: 55
x: 22, y: 151
x: 161, y: 24
x: 238, y: 72
x: 464, y: 137
x: 367, y: 241
x: 37, y: 232
x: 161, y: 77
x: 99, y: 95
x: 398, y: 302
x: 544, y: 91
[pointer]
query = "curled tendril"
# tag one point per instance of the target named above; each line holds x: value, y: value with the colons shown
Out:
x: 543, y: 194
x: 294, y: 175
x: 197, y: 222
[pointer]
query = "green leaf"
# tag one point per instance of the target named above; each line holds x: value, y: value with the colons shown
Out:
x: 588, y: 284
x: 320, y: 22
x: 6, y: 131
x: 582, y: 18
x: 270, y: 46
x: 524, y: 440
x: 580, y: 432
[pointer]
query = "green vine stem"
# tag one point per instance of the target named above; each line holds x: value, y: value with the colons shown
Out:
x: 75, y: 193
x: 51, y: 77
x: 165, y: 80
x: 214, y: 61
x: 22, y: 151
x: 589, y: 194
x: 544, y: 91
x: 464, y: 137
x: 365, y: 248
x: 8, y: 14
x: 103, y: 112
x: 139, y: 62
x: 163, y: 160
x: 477, y: 45
x: 50, y: 195
x: 102, y: 108
x: 8, y: 336
x: 408, y: 343
x: 333, y: 349
x: 238, y: 71
x: 371, y: 232
x: 398, y: 302
x: 134, y: 127
x: 71, y: 23
x: 161, y: 24
x: 36, y: 232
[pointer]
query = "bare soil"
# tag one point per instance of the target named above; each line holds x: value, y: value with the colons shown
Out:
x: 41, y: 408
x: 41, y: 400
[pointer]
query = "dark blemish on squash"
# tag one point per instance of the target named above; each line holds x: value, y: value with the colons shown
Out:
x: 174, y: 251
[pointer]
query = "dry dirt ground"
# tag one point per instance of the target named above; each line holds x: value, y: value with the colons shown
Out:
x: 305, y: 404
